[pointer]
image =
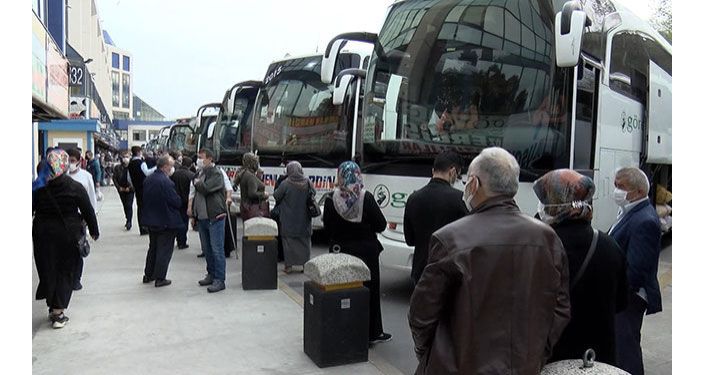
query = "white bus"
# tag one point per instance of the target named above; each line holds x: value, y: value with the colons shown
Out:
x: 583, y: 85
x: 290, y: 115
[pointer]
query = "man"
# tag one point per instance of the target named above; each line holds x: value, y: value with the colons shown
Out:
x: 208, y: 207
x: 182, y: 179
x: 124, y: 187
x: 228, y: 245
x: 85, y: 179
x: 162, y: 218
x: 432, y: 207
x: 93, y: 167
x: 494, y: 295
x: 137, y: 172
x: 638, y: 233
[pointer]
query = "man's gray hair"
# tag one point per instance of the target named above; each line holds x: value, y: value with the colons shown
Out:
x: 497, y: 170
x: 163, y: 160
x: 635, y: 178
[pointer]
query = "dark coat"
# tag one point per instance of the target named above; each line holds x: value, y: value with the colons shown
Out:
x: 161, y: 203
x: 136, y: 175
x: 55, y: 243
x: 639, y: 236
x: 292, y: 201
x: 427, y: 210
x: 599, y: 294
x: 182, y: 180
x: 493, y: 298
x: 357, y: 239
x: 120, y: 178
x: 210, y: 193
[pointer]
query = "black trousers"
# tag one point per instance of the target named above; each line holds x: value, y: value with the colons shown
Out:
x: 79, y: 271
x: 628, y: 332
x: 161, y: 247
x: 138, y: 195
x: 181, y: 233
x: 127, y: 199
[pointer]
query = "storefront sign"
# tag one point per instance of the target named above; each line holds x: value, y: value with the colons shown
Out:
x: 39, y: 75
x: 58, y: 79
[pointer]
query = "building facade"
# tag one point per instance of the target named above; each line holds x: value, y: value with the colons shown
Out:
x: 120, y: 79
x: 138, y: 133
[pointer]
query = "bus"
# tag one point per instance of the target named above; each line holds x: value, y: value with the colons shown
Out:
x: 289, y: 115
x: 559, y: 84
x: 180, y: 133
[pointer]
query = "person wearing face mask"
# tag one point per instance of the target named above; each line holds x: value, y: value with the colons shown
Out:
x: 432, y: 207
x: 598, y: 269
x: 137, y: 172
x: 638, y: 233
x: 85, y: 179
x: 124, y: 188
x: 494, y: 295
x: 182, y: 179
x: 163, y: 220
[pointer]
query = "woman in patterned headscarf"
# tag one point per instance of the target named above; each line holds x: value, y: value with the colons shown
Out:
x: 59, y: 208
x: 600, y: 291
x: 352, y: 219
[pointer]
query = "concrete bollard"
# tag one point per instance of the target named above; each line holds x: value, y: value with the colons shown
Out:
x: 585, y: 366
x: 336, y: 310
x: 259, y: 254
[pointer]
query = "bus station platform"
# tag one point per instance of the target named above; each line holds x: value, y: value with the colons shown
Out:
x: 120, y: 325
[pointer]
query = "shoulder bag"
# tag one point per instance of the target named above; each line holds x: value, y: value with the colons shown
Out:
x: 313, y: 209
x: 84, y: 247
x: 591, y: 251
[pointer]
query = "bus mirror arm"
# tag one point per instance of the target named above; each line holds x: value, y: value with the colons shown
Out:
x: 335, y: 45
x: 569, y: 27
x: 342, y: 81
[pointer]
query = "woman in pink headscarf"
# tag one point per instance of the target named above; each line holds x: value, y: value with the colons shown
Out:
x: 59, y: 209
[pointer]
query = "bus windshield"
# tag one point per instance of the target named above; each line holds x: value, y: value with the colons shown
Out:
x: 465, y: 75
x: 295, y: 117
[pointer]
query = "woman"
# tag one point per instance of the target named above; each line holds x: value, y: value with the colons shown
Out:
x: 353, y: 219
x: 56, y: 229
x: 295, y: 231
x: 600, y: 291
x: 253, y: 198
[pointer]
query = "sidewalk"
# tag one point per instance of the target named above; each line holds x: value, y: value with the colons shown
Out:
x: 119, y: 325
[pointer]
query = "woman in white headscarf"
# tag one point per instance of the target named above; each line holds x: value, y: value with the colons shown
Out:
x: 353, y: 219
x: 295, y: 230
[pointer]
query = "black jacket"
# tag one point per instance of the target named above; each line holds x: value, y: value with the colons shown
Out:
x: 427, y: 210
x: 599, y: 294
x: 72, y: 201
x: 120, y: 178
x: 136, y: 174
x: 357, y: 239
x: 182, y: 179
x: 161, y: 203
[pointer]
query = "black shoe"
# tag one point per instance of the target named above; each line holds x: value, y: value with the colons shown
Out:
x: 59, y: 321
x: 201, y: 255
x: 384, y: 337
x: 77, y: 286
x: 227, y: 255
x: 128, y: 225
x: 181, y: 247
x: 163, y: 282
x: 146, y: 279
x: 217, y: 286
x: 208, y: 280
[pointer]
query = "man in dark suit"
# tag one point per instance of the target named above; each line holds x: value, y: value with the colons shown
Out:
x: 137, y: 172
x: 432, y: 207
x: 182, y: 179
x: 163, y: 220
x: 638, y: 233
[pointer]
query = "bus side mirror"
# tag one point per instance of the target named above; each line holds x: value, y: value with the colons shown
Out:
x: 568, y: 30
x: 329, y: 59
x: 342, y: 81
x: 341, y: 87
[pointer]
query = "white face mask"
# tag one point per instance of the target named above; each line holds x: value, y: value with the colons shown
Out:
x: 620, y: 197
x: 172, y: 170
x: 467, y: 197
x: 125, y: 160
x: 73, y: 167
x: 199, y: 163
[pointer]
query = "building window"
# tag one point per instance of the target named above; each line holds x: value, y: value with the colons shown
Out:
x: 139, y: 135
x: 126, y: 63
x: 125, y: 90
x: 116, y: 61
x: 116, y: 88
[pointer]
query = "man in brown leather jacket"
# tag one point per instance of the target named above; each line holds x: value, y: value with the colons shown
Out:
x: 493, y: 298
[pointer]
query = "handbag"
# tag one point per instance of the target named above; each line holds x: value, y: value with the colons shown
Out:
x: 84, y: 247
x: 249, y: 210
x: 313, y: 209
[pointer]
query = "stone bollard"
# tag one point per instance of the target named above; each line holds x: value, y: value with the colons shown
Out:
x: 259, y: 254
x: 336, y: 310
x: 585, y: 366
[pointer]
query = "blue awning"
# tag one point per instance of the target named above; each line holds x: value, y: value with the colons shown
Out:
x: 71, y: 125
